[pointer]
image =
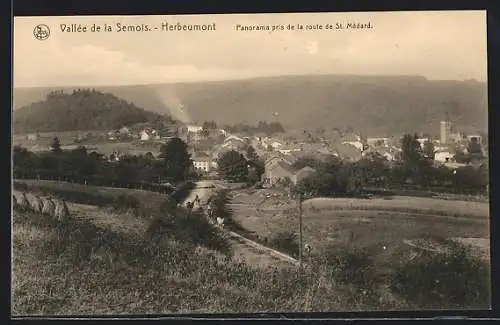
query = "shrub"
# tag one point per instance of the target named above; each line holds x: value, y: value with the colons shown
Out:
x: 182, y: 192
x: 455, y: 279
x: 285, y: 242
x: 192, y: 228
x: 350, y: 265
x: 125, y: 203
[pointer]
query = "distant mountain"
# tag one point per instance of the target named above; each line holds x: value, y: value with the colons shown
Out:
x: 373, y: 105
x: 81, y: 110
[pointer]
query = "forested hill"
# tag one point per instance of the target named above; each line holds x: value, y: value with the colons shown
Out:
x: 81, y: 109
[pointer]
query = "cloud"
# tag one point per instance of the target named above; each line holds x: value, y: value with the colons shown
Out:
x: 98, y: 66
x: 433, y: 44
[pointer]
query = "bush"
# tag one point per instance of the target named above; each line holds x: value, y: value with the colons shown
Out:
x: 454, y: 279
x: 191, y: 228
x: 182, y: 192
x: 125, y: 203
x: 285, y: 242
x: 349, y: 265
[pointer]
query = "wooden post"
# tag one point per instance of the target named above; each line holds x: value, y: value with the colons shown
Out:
x: 299, y: 207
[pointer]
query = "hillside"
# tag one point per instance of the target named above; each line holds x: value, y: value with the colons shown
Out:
x: 378, y: 105
x: 80, y: 110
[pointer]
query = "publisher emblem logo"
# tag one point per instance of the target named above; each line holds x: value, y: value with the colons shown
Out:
x: 41, y: 32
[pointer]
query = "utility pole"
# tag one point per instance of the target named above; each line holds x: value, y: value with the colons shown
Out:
x: 299, y: 207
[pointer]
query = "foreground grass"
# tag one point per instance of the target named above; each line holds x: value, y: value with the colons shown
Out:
x: 78, y: 268
x: 180, y: 264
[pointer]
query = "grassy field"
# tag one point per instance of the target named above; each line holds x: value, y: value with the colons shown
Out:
x: 133, y: 148
x: 127, y: 270
x: 67, y: 140
x: 92, y: 195
x: 378, y: 224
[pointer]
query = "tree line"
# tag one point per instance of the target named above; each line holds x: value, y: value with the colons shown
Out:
x: 262, y: 127
x: 173, y: 165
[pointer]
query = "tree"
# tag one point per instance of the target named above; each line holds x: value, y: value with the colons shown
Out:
x: 412, y: 160
x: 252, y: 154
x: 306, y: 161
x: 257, y: 168
x: 176, y: 160
x: 220, y: 208
x: 55, y: 147
x: 474, y: 149
x: 233, y: 166
x: 411, y: 152
x: 429, y: 150
x: 374, y: 168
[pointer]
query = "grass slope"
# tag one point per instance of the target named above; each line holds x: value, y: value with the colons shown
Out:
x: 125, y: 271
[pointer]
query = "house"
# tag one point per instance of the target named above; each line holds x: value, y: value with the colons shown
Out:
x: 348, y: 151
x: 422, y: 141
x: 276, y: 172
x: 202, y: 162
x: 193, y: 128
x: 387, y: 153
x: 32, y: 137
x: 443, y: 156
x: 276, y: 145
x: 377, y: 142
x: 145, y: 135
x: 357, y: 144
x: 474, y: 137
x: 234, y: 143
x: 276, y: 157
x: 287, y: 151
x: 302, y: 174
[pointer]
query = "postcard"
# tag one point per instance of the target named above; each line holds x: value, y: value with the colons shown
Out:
x: 250, y: 163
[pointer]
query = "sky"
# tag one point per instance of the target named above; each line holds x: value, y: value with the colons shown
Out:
x: 436, y: 45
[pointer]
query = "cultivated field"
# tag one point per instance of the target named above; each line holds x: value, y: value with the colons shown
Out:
x: 381, y: 225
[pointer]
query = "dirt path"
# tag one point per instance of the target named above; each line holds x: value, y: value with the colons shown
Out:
x: 254, y: 253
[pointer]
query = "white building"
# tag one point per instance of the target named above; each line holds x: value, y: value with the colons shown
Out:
x: 475, y: 137
x: 287, y: 151
x: 145, y: 135
x: 32, y: 137
x: 276, y: 145
x: 443, y: 156
x: 357, y: 144
x: 422, y: 141
x: 203, y: 163
x: 194, y: 128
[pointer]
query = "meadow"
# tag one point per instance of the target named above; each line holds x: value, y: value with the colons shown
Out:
x: 380, y: 225
x: 99, y: 143
x: 103, y: 260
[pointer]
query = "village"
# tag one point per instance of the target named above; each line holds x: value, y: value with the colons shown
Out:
x: 279, y: 151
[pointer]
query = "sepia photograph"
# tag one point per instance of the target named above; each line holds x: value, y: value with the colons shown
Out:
x: 250, y: 163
